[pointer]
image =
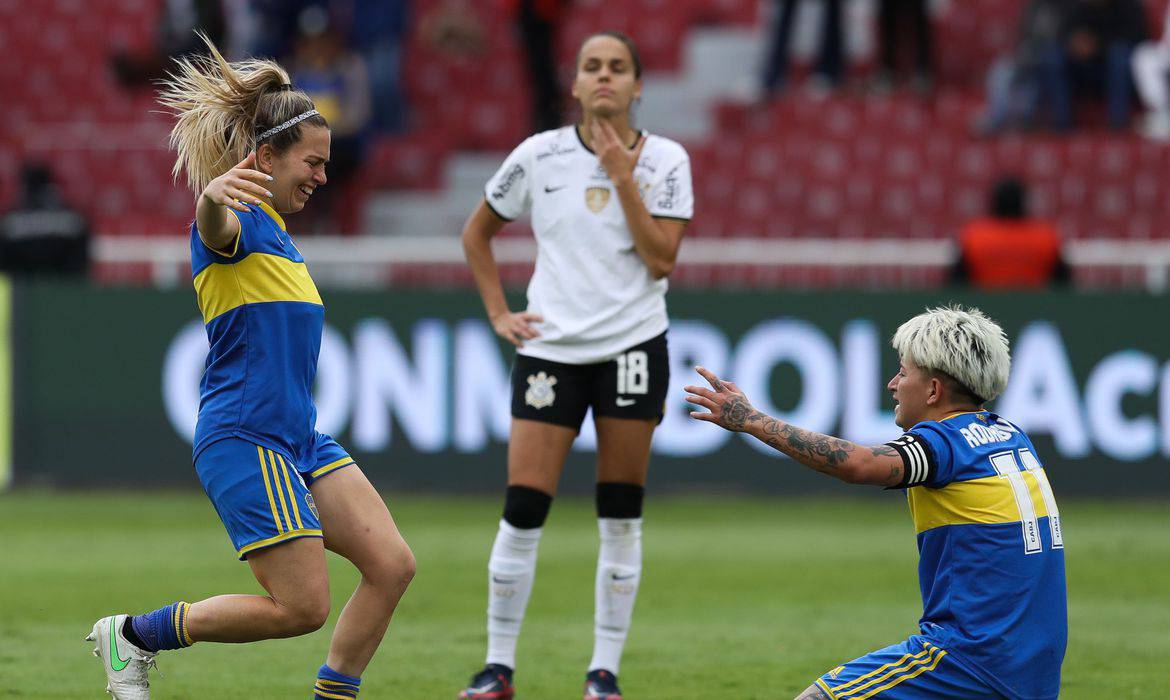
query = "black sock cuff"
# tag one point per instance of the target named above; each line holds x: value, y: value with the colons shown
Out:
x: 132, y: 636
x: 526, y: 508
x: 617, y: 500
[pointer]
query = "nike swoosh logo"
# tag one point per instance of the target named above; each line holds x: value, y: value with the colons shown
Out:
x: 627, y: 577
x: 481, y: 689
x: 625, y: 402
x: 548, y: 190
x: 503, y: 581
x: 116, y: 661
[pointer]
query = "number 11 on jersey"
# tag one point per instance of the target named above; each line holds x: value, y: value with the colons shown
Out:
x: 1008, y: 467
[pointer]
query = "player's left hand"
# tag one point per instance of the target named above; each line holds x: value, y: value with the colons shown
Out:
x: 726, y: 404
x: 617, y: 160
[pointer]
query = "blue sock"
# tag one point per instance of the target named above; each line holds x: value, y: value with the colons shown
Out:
x: 165, y: 628
x: 332, y: 685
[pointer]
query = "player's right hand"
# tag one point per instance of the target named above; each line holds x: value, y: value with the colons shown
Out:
x: 241, y: 184
x: 727, y: 406
x: 516, y: 327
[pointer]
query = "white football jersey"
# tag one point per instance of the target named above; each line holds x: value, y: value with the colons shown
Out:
x: 595, y: 293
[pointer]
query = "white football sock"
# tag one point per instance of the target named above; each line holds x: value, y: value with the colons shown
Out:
x: 511, y: 570
x: 619, y: 570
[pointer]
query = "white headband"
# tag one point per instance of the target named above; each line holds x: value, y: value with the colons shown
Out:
x: 281, y: 127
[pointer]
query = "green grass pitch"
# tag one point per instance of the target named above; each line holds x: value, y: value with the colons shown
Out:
x: 741, y: 598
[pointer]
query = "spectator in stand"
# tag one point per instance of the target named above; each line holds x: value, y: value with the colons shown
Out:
x: 276, y: 27
x: 178, y: 23
x: 539, y: 24
x: 1013, y: 83
x: 43, y: 234
x: 1009, y: 249
x: 903, y: 23
x: 830, y: 65
x: 1151, y: 72
x: 455, y: 28
x: 1094, y: 54
x: 377, y: 30
x: 335, y: 79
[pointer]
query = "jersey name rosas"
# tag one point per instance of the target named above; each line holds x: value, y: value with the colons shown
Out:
x: 978, y: 434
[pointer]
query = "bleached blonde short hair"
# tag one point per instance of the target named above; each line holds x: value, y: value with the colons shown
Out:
x: 963, y: 343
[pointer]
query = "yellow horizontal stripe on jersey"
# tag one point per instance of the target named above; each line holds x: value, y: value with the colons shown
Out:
x: 258, y: 278
x: 987, y: 501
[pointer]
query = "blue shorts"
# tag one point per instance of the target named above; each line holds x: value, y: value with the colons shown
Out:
x: 261, y: 496
x: 912, y: 670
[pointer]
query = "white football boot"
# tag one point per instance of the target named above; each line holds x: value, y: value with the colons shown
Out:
x: 126, y: 665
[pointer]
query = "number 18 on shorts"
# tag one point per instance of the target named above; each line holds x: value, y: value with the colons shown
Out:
x: 632, y: 385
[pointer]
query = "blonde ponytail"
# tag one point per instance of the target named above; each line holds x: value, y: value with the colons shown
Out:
x: 221, y: 107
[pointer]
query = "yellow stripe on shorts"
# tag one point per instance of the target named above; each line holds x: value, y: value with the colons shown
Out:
x: 279, y: 490
x: 292, y: 495
x: 268, y: 488
x: 937, y: 655
x: 338, y: 464
x: 880, y: 669
x: 901, y: 670
x: 279, y: 538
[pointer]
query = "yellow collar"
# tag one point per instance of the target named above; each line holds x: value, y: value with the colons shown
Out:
x: 275, y: 216
x: 963, y: 413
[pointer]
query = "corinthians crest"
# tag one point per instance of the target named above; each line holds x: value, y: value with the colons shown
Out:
x: 540, y: 390
x: 596, y: 198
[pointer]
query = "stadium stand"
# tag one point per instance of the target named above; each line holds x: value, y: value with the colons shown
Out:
x: 849, y: 166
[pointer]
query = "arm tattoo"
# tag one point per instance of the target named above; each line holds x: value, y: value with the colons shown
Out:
x: 821, y: 452
x: 737, y: 412
x: 895, y: 475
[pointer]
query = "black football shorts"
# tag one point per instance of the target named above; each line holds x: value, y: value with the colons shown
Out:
x: 632, y: 385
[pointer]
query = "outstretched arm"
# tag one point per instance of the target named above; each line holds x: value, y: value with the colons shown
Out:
x: 729, y: 408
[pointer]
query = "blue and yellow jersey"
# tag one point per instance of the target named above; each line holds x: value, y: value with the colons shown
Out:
x: 991, y: 552
x: 264, y: 319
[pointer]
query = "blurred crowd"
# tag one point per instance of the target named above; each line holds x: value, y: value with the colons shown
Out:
x: 348, y: 54
x: 1065, y: 52
x: 345, y: 53
x: 1071, y: 63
